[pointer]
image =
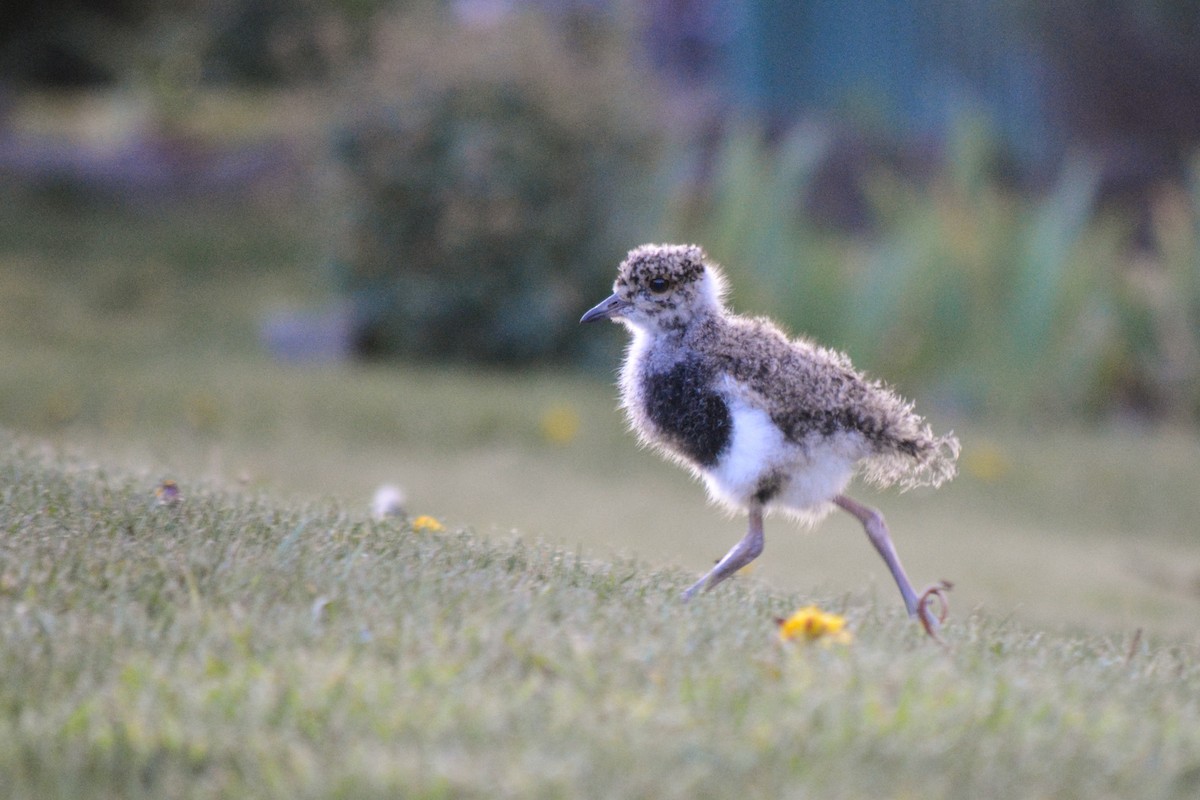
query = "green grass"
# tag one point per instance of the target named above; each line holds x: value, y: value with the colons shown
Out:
x: 265, y: 638
x: 235, y: 645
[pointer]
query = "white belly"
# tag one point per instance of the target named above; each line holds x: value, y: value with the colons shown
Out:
x: 809, y: 477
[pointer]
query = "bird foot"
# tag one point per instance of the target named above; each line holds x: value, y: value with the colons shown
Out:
x: 933, y: 608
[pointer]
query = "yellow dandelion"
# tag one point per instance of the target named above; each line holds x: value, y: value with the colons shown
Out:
x: 203, y: 412
x: 811, y: 623
x: 425, y: 523
x: 986, y: 461
x: 560, y: 424
x: 63, y: 406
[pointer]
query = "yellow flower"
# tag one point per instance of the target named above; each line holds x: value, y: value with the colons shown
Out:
x: 203, y: 412
x: 560, y: 424
x: 986, y: 461
x: 427, y: 523
x: 811, y: 623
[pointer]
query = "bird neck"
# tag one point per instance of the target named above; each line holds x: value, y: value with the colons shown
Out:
x: 685, y: 336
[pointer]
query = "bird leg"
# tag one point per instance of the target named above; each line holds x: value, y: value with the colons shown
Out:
x: 742, y: 554
x: 877, y: 532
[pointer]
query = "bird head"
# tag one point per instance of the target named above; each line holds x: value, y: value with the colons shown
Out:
x: 662, y: 287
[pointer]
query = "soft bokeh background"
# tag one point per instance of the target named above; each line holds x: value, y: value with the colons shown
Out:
x: 320, y: 247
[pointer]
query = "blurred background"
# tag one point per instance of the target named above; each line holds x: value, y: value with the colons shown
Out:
x: 322, y: 245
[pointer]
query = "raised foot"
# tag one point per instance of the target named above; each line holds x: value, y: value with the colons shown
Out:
x: 933, y: 608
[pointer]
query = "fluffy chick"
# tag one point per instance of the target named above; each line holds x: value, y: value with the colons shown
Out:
x: 766, y: 421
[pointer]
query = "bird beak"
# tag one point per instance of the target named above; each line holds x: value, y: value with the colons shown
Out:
x: 607, y: 308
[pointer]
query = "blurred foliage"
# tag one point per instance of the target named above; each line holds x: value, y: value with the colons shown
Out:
x: 494, y: 173
x: 56, y: 43
x: 1001, y: 302
x: 495, y: 170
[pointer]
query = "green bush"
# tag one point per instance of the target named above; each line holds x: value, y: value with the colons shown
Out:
x: 493, y: 182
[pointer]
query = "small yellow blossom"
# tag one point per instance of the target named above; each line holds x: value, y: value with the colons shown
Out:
x: 203, y: 412
x: 560, y: 424
x: 427, y: 523
x: 811, y: 623
x: 987, y: 462
x: 63, y: 406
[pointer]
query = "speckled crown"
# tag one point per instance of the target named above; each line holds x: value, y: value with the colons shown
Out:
x: 678, y: 263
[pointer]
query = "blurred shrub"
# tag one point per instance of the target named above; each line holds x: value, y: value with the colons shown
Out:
x: 995, y: 300
x: 110, y: 42
x: 494, y: 178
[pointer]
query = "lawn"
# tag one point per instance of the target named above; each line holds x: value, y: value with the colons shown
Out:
x: 265, y: 637
x: 234, y: 644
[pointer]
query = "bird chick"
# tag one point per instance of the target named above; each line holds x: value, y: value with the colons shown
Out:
x: 767, y: 422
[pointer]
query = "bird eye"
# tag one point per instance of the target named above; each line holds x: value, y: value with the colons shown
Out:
x: 658, y: 285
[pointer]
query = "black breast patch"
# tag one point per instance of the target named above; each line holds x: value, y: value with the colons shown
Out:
x: 685, y: 410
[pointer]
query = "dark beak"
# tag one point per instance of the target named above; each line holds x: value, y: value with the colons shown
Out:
x: 607, y: 308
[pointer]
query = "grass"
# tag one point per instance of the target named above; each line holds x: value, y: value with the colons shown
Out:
x: 232, y: 645
x: 265, y: 638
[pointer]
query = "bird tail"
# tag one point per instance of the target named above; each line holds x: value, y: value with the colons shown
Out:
x: 921, y: 460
